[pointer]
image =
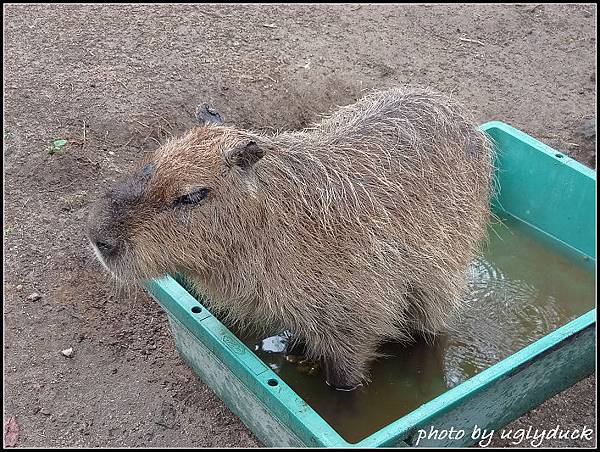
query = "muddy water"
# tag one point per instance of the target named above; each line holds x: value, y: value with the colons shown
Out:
x: 521, y: 289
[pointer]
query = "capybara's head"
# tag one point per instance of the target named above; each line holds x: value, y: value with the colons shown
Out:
x: 181, y: 206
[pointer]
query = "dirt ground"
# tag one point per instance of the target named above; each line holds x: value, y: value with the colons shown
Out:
x: 115, y: 80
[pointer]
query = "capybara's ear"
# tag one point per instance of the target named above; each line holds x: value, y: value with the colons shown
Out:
x: 245, y: 154
x: 206, y: 114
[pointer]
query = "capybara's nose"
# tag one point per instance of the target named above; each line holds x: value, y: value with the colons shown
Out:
x: 106, y: 247
x: 104, y: 241
x: 102, y: 228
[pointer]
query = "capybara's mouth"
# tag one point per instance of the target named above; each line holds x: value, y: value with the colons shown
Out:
x: 129, y: 268
x: 102, y: 257
x: 119, y: 264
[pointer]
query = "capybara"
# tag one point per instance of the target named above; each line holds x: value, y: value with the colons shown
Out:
x: 353, y: 232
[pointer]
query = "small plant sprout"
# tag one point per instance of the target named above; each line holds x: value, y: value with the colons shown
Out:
x: 56, y: 146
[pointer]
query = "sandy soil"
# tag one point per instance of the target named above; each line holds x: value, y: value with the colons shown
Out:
x: 116, y: 80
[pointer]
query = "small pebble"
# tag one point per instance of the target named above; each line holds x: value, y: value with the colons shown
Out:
x: 45, y: 412
x: 68, y: 352
x: 34, y: 297
x: 166, y: 415
x: 291, y: 358
x: 588, y: 129
x: 19, y: 287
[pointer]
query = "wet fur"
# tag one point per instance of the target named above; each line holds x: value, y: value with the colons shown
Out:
x: 353, y: 232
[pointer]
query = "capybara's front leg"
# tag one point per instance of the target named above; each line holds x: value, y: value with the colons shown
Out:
x: 344, y: 374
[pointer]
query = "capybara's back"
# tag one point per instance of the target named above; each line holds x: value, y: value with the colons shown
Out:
x: 353, y: 232
x: 375, y: 214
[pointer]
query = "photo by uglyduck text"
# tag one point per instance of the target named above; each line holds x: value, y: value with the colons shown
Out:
x: 531, y: 436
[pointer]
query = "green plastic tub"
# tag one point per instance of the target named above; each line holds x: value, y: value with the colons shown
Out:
x: 539, y: 186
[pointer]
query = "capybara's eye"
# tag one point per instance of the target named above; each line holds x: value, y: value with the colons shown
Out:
x: 194, y: 197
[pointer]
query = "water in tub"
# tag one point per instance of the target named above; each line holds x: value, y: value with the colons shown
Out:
x: 521, y: 289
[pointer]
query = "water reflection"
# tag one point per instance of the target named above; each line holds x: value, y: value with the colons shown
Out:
x: 520, y: 290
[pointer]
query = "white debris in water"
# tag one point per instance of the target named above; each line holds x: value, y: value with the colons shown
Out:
x: 275, y: 344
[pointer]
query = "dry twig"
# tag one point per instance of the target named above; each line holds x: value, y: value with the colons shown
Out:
x: 473, y: 41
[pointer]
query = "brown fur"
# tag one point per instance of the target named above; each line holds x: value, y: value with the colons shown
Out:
x: 353, y: 232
